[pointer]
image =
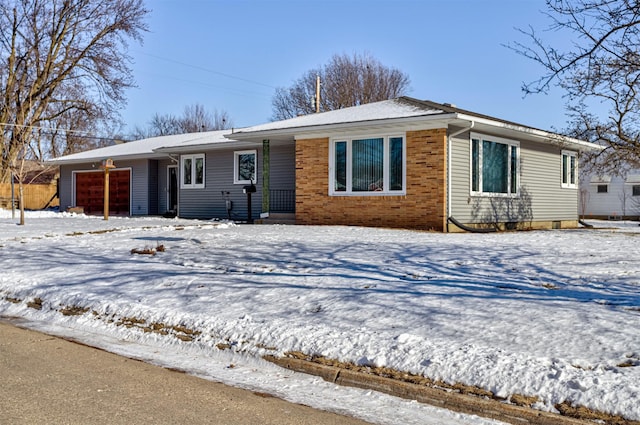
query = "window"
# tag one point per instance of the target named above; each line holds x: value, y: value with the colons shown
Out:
x: 368, y: 166
x: 244, y: 167
x: 192, y: 175
x: 635, y: 190
x: 494, y: 165
x: 603, y: 188
x: 569, y: 169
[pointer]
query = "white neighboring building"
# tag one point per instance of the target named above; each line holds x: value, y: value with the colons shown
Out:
x: 610, y: 197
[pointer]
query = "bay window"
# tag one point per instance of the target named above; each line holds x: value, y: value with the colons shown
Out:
x: 367, y: 166
x: 494, y: 165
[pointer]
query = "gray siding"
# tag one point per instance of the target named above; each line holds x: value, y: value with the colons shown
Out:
x: 283, y: 167
x: 541, y: 199
x: 163, y: 185
x: 153, y: 187
x: 139, y: 195
x: 139, y: 185
x: 209, y: 202
x: 149, y: 185
x: 282, y: 182
x: 66, y: 187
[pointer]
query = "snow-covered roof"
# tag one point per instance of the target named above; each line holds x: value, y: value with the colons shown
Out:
x: 633, y: 179
x: 387, y: 109
x: 404, y: 110
x: 144, y: 148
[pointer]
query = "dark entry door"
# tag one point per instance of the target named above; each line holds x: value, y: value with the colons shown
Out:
x: 173, y: 189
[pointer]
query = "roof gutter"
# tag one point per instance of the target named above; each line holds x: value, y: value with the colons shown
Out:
x: 132, y: 157
x: 542, y: 134
x: 472, y: 123
x: 247, y: 133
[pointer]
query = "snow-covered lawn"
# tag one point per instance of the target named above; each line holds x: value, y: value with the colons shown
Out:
x: 551, y: 314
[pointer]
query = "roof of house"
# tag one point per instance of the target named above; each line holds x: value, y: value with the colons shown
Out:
x: 402, y: 107
x: 144, y: 148
x: 405, y: 110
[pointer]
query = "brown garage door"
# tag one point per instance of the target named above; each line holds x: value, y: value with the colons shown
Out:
x: 90, y: 192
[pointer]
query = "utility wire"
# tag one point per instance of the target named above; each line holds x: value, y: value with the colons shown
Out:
x: 201, y: 68
x: 50, y: 130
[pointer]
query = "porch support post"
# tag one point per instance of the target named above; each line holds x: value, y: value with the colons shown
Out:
x: 106, y: 193
x: 266, y: 161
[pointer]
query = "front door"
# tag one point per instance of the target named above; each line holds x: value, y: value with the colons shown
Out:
x: 172, y: 196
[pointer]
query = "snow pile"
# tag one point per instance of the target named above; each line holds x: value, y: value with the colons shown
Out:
x: 550, y: 314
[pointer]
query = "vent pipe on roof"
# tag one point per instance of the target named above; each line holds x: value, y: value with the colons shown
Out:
x: 316, y: 98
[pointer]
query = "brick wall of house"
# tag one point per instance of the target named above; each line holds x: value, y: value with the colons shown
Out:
x: 423, y: 206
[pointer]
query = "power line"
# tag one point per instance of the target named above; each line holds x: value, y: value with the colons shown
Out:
x: 200, y: 83
x: 53, y: 131
x: 201, y: 68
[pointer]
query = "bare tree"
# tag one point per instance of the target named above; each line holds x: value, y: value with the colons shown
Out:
x: 194, y: 119
x: 67, y: 134
x: 584, y: 197
x: 624, y: 196
x: 600, y: 67
x: 164, y: 125
x: 345, y: 81
x: 60, y: 58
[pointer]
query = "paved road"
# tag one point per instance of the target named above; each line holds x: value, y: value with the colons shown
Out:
x: 47, y: 380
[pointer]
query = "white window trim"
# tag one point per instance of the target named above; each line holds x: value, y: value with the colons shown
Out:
x: 511, y: 143
x: 193, y: 184
x: 569, y: 155
x: 348, y: 140
x: 236, y: 168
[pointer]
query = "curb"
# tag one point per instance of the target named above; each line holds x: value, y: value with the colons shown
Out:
x: 462, y: 403
x: 450, y: 399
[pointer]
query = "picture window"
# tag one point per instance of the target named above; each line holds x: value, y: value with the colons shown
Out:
x: 494, y: 165
x: 368, y: 166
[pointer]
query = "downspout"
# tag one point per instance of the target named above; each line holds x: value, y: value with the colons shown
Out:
x: 449, y: 137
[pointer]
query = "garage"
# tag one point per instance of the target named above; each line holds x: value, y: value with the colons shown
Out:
x: 90, y: 191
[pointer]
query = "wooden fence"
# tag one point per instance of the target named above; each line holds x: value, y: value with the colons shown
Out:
x: 36, y: 196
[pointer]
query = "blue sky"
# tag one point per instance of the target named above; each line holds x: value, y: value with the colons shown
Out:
x: 231, y: 55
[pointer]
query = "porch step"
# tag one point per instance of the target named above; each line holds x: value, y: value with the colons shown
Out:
x: 278, y: 218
